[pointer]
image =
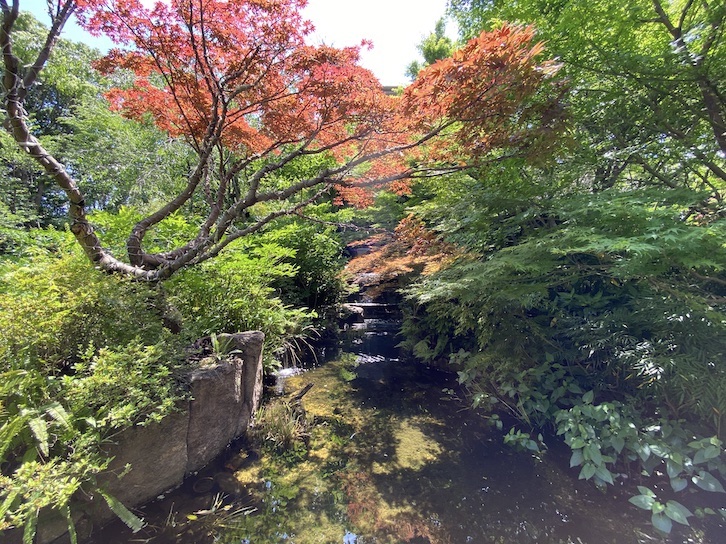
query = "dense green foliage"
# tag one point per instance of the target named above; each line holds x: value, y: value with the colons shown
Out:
x: 26, y: 190
x: 647, y: 78
x: 591, y: 301
x: 603, y: 293
x: 82, y: 356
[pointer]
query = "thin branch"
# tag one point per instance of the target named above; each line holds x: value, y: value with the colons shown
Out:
x: 133, y: 244
x: 707, y: 278
x: 231, y: 237
x: 59, y: 21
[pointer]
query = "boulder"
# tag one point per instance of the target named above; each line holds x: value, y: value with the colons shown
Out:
x: 225, y: 397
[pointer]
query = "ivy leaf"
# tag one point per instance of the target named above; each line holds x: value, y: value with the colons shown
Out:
x: 588, y: 397
x: 604, y: 474
x: 644, y: 452
x: 712, y: 452
x: 679, y: 484
x: 659, y: 451
x: 700, y: 457
x: 662, y: 522
x: 646, y: 491
x: 618, y: 443
x: 642, y: 501
x: 593, y: 452
x: 677, y: 512
x: 706, y: 481
x: 673, y: 468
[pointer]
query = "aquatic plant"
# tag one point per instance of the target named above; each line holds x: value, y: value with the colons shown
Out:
x: 282, y: 428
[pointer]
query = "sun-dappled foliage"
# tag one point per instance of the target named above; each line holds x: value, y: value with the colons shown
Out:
x: 236, y: 82
x: 84, y: 355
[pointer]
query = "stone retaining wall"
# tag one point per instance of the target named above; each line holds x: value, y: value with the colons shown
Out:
x: 160, y: 455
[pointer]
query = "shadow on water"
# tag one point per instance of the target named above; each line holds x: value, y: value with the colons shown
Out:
x: 391, y: 458
x: 427, y: 456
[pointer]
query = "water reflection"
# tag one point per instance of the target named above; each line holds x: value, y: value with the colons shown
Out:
x: 392, y: 459
x: 417, y: 467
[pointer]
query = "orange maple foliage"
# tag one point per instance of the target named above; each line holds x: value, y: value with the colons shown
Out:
x: 237, y: 80
x: 412, y: 249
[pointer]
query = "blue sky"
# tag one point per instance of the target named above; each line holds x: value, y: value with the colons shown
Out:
x: 394, y: 26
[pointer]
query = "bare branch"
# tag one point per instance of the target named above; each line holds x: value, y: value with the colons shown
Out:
x: 59, y: 21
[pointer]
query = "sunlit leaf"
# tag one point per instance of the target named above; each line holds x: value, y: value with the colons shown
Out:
x: 39, y: 428
x: 117, y: 507
x: 677, y: 512
x: 31, y: 524
x: 59, y: 414
x: 705, y: 480
x: 72, y: 535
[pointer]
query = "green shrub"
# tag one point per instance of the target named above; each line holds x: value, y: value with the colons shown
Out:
x: 128, y: 385
x: 82, y: 355
x: 56, y: 306
x: 232, y: 293
x: 317, y: 261
x: 616, y: 288
x: 616, y: 296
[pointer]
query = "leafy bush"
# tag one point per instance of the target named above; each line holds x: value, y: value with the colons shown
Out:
x: 56, y: 306
x: 616, y: 289
x: 317, y: 260
x: 232, y: 293
x: 82, y: 356
x: 127, y: 385
x: 616, y: 296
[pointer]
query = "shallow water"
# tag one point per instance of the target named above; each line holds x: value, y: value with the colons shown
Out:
x: 391, y: 458
x: 418, y: 467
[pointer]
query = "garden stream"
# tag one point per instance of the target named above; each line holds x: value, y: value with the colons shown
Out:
x: 393, y: 456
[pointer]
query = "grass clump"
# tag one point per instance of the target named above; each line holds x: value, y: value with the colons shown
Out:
x: 282, y: 428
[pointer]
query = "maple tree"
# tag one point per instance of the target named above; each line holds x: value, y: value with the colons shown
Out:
x: 237, y: 82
